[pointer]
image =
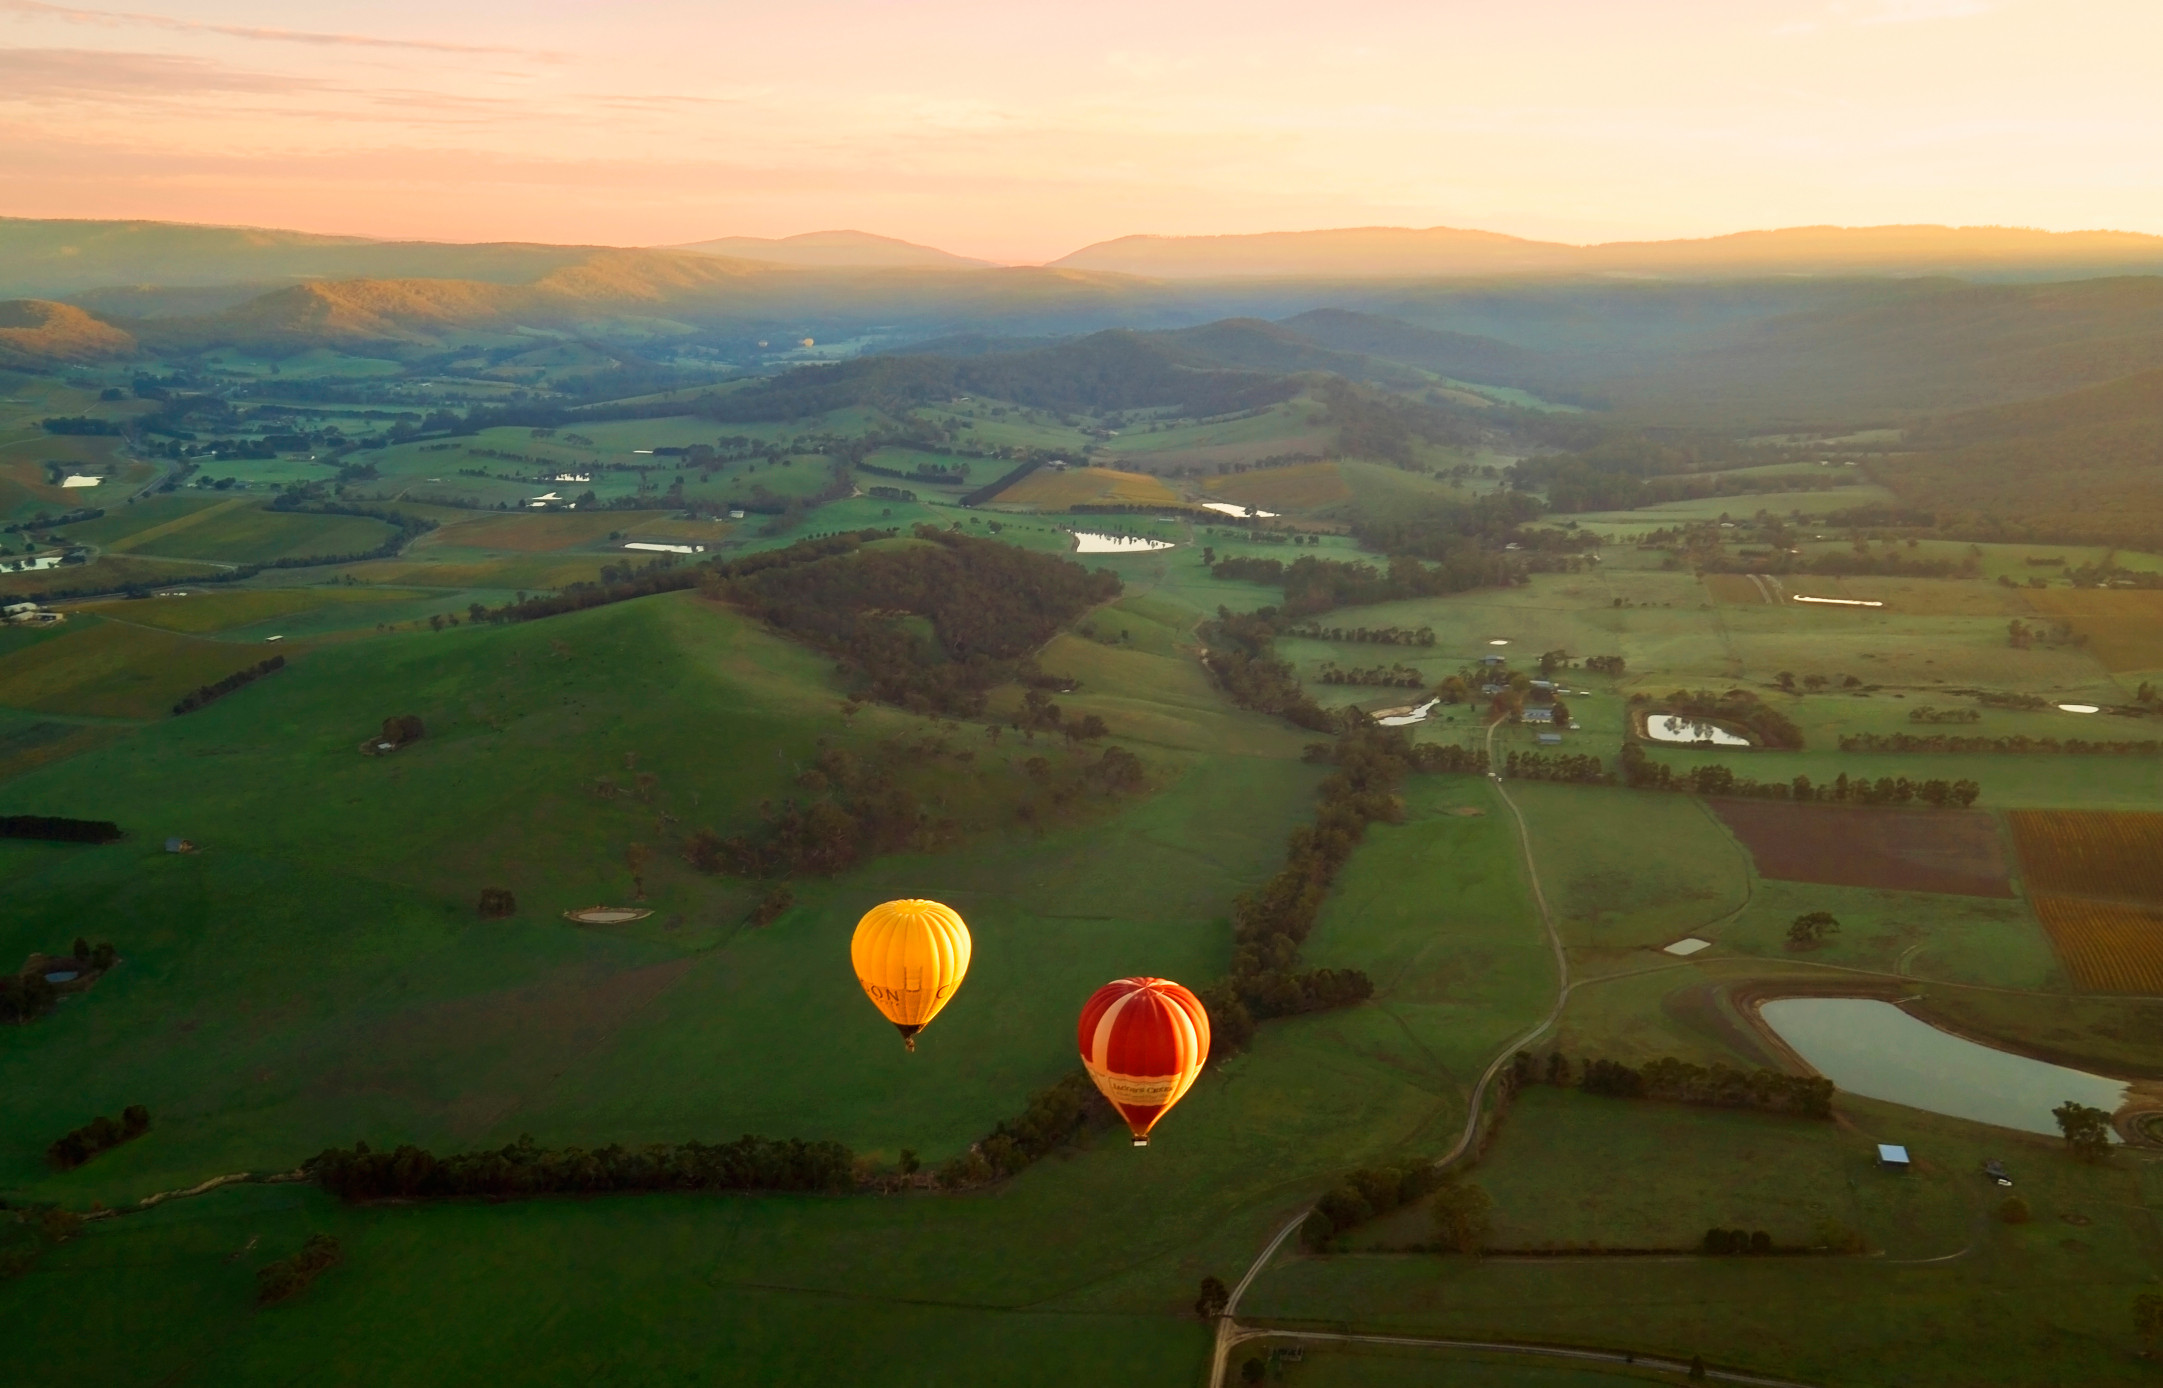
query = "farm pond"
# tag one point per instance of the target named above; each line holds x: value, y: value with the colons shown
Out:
x: 1089, y: 542
x: 1876, y: 1050
x: 1690, y: 731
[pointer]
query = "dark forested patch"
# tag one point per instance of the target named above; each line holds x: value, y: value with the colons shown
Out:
x: 989, y: 605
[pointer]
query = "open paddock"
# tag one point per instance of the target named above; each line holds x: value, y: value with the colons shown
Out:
x: 2124, y: 627
x: 1958, y: 852
x: 1742, y: 590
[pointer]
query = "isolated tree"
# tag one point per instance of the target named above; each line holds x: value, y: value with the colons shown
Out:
x: 2014, y: 1210
x: 1814, y: 681
x: 1812, y: 929
x: 1254, y: 1370
x: 2148, y: 1320
x: 1786, y: 680
x: 1214, y: 1298
x: 1463, y: 1217
x: 2087, y: 1130
x: 1697, y: 1368
x: 777, y: 900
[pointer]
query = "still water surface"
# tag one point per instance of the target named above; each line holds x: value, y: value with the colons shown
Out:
x: 1874, y: 1049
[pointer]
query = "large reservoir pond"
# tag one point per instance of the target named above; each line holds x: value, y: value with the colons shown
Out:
x: 1874, y: 1049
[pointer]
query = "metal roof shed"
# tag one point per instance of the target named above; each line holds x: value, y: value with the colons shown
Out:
x: 1892, y: 1158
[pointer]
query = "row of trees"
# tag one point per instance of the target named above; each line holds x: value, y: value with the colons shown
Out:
x: 1925, y: 713
x: 210, y: 693
x: 1270, y: 923
x: 1941, y: 742
x: 1380, y: 636
x: 1368, y: 1193
x: 1581, y: 769
x: 1682, y: 1082
x: 58, y: 829
x: 1314, y: 585
x: 1055, y: 1116
x: 289, y: 1277
x: 1239, y: 649
x: 524, y: 1169
x: 1386, y: 676
x: 1641, y: 772
x: 100, y: 1134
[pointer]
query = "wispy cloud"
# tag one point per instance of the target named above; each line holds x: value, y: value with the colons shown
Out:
x: 76, y: 73
x: 114, y: 19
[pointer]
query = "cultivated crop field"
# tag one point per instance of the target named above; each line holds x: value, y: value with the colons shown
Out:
x: 2115, y: 855
x: 1047, y: 490
x: 2108, y: 946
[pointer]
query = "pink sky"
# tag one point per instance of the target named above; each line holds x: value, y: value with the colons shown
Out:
x: 1019, y: 132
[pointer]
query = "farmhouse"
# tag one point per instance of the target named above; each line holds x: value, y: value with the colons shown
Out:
x: 24, y: 614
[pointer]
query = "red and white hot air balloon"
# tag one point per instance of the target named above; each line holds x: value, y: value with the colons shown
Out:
x: 1143, y: 1040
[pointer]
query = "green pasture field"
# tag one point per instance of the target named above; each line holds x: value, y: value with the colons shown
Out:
x: 1021, y: 428
x: 112, y: 669
x: 1693, y: 1169
x: 1290, y: 427
x: 416, y: 1004
x: 119, y: 525
x: 1953, y: 1287
x: 104, y: 574
x: 315, y: 364
x: 242, y: 532
x: 208, y: 611
x: 975, y: 470
x: 273, y: 473
x: 1628, y: 871
x: 1103, y: 1245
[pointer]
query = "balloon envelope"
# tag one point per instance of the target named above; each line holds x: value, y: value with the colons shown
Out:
x: 910, y: 956
x: 1143, y: 1041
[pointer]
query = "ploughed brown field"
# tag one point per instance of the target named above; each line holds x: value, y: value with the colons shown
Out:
x: 1953, y: 851
x: 2099, y: 853
x: 2108, y: 946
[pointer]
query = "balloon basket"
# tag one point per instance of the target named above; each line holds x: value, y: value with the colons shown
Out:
x: 1141, y: 1142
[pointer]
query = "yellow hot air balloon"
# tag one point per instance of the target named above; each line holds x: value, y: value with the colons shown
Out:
x: 910, y: 956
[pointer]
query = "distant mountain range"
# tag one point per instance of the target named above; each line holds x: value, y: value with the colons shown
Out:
x: 118, y: 262
x: 827, y: 249
x: 1405, y: 253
